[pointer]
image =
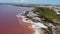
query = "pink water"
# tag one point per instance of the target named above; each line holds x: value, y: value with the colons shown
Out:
x: 10, y: 24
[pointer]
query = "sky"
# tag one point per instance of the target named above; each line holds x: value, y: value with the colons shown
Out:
x: 55, y: 2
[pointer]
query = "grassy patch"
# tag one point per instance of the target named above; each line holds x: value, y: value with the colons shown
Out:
x: 50, y: 14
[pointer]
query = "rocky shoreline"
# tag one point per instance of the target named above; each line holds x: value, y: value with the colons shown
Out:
x: 38, y: 23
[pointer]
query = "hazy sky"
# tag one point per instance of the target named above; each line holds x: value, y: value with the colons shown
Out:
x: 57, y: 2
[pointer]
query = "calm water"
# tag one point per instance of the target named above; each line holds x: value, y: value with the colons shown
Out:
x: 9, y: 23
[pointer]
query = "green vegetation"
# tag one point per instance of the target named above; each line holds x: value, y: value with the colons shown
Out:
x: 50, y: 14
